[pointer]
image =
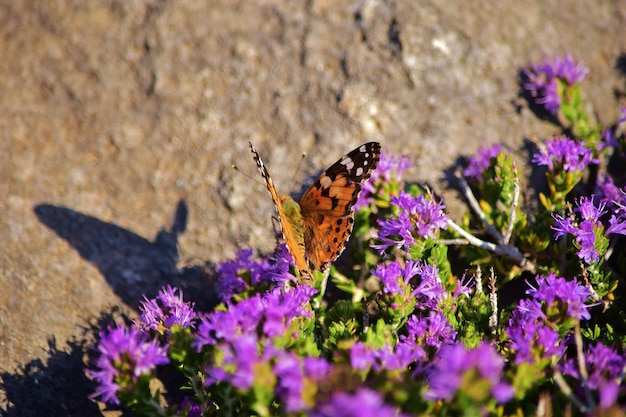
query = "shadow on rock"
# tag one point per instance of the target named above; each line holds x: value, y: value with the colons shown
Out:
x: 132, y: 265
x: 58, y: 387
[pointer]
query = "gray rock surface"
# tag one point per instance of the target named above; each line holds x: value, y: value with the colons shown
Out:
x: 120, y: 122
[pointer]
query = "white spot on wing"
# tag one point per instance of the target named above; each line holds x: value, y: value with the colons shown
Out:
x: 347, y: 162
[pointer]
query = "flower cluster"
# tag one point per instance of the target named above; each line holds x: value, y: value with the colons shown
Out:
x: 479, y: 163
x: 531, y: 329
x: 271, y: 313
x: 588, y: 230
x: 166, y: 310
x: 245, y: 273
x: 417, y: 217
x: 363, y: 403
x: 563, y: 153
x: 601, y: 372
x: 569, y: 296
x: 544, y: 78
x: 458, y: 369
x: 566, y: 161
x: 407, y: 323
x: 396, y: 280
x: 126, y: 355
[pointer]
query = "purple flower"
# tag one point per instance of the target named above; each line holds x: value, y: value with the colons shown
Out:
x: 617, y: 224
x: 531, y: 310
x: 234, y: 276
x: 237, y: 319
x: 288, y: 369
x: 458, y: 368
x: 531, y: 339
x: 230, y: 273
x: 390, y: 276
x: 605, y: 368
x: 395, y: 279
x: 364, y: 357
x: 167, y: 309
x: 281, y: 307
x: 361, y: 356
x: 427, y: 215
x: 279, y: 265
x: 417, y: 215
x: 429, y: 291
x: 432, y: 331
x: 552, y: 290
x: 549, y: 97
x: 543, y: 79
x: 244, y: 363
x: 619, y: 203
x: 396, y: 283
x: 390, y: 168
x: 482, y: 160
x: 395, y: 233
x: 188, y: 408
x: 363, y: 403
x: 275, y: 311
x: 586, y: 231
x: 586, y: 237
x: 564, y: 153
x: 568, y: 70
x: 125, y: 355
x: 607, y: 190
x: 464, y: 286
x: 608, y: 140
x: 293, y: 373
x: 237, y: 362
x: 563, y: 226
x: 588, y: 211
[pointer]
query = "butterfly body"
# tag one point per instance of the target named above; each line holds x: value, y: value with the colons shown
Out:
x: 292, y: 224
x: 317, y: 227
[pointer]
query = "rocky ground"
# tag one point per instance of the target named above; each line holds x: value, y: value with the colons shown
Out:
x: 120, y: 122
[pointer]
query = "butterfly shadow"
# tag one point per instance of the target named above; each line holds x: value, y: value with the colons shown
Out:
x: 132, y: 265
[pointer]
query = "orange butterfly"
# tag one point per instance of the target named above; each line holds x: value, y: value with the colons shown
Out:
x: 317, y: 228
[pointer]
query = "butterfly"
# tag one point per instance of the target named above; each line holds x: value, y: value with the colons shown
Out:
x: 317, y: 227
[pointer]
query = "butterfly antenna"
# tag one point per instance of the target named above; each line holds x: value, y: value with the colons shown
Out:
x: 236, y: 168
x: 303, y: 156
x: 253, y: 178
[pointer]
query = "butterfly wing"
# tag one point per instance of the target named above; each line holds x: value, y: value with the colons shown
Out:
x: 292, y: 231
x: 326, y: 206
